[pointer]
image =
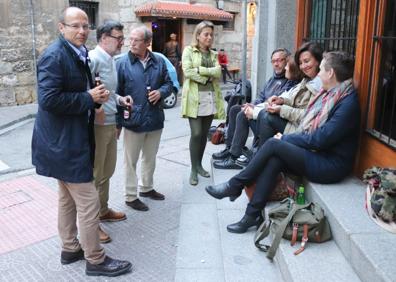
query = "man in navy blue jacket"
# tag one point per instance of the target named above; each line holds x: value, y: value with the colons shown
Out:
x: 63, y: 142
x: 144, y: 77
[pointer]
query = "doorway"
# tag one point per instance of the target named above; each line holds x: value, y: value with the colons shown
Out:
x: 162, y: 28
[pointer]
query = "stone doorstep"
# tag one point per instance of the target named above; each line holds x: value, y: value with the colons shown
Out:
x: 327, y: 259
x: 319, y: 262
x: 369, y: 249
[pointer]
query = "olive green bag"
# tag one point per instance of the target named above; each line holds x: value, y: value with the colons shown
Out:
x: 295, y: 223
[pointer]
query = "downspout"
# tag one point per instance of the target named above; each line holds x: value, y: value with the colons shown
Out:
x: 33, y: 30
x: 244, y: 46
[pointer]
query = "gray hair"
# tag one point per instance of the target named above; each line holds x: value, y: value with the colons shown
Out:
x: 198, y: 29
x: 148, y: 34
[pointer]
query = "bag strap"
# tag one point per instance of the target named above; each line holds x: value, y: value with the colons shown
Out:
x: 281, y: 229
x: 294, y: 234
x: 262, y: 232
x: 303, y: 241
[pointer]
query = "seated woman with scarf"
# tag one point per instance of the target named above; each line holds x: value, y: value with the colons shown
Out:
x: 323, y: 152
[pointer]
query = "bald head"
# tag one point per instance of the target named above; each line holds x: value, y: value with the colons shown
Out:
x: 74, y: 26
x: 70, y: 11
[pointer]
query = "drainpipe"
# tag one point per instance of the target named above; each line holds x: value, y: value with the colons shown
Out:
x: 244, y: 46
x: 33, y: 30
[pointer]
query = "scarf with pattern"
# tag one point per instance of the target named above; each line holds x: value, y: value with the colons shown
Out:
x: 320, y: 106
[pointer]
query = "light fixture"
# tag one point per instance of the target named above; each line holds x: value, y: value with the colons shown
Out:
x: 220, y: 4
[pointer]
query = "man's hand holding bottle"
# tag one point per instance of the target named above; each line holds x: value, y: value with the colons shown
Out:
x: 153, y: 96
x: 99, y: 94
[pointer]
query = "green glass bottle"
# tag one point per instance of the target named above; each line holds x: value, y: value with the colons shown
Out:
x: 300, y: 196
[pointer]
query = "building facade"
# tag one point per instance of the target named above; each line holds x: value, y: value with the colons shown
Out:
x: 27, y: 27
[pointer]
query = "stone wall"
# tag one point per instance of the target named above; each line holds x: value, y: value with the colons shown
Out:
x: 275, y: 23
x: 20, y: 46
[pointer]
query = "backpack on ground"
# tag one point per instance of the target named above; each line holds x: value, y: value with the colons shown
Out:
x: 305, y: 223
x: 381, y: 196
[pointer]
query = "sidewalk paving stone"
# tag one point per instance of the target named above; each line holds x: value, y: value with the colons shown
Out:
x: 28, y: 213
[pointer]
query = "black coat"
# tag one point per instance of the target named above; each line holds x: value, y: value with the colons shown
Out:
x: 63, y: 143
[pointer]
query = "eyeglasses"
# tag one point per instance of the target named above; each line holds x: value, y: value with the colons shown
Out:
x: 278, y: 60
x: 135, y: 40
x: 118, y: 38
x: 77, y: 26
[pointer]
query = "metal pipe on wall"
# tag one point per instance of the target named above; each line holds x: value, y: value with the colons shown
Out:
x: 33, y: 29
x: 244, y: 46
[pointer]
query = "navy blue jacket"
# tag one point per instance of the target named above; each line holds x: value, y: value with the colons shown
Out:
x: 276, y: 85
x: 63, y: 143
x: 331, y: 149
x: 133, y: 80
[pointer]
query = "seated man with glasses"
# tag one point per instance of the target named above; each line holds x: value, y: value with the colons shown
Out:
x: 110, y: 39
x: 239, y: 123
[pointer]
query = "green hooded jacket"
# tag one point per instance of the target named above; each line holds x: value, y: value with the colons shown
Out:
x: 191, y: 61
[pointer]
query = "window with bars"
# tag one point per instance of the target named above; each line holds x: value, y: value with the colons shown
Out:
x: 333, y: 24
x: 383, y: 71
x: 91, y: 8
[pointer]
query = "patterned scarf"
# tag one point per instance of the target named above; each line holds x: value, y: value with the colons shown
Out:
x: 320, y: 106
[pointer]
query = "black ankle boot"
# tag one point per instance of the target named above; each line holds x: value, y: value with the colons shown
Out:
x: 223, y: 190
x: 244, y: 224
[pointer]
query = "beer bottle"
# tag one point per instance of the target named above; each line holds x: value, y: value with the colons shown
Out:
x: 127, y: 111
x: 97, y: 79
x: 148, y: 90
x: 300, y: 196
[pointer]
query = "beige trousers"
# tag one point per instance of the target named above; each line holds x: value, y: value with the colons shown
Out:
x: 80, y: 200
x: 134, y: 143
x: 105, y: 162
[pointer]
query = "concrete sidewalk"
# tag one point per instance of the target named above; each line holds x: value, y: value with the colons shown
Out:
x: 206, y: 251
x: 29, y: 244
x: 11, y: 115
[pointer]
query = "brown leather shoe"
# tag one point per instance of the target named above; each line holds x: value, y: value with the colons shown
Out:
x: 103, y: 236
x: 112, y: 215
x: 152, y: 194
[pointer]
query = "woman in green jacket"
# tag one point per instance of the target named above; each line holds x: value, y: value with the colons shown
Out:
x: 201, y: 100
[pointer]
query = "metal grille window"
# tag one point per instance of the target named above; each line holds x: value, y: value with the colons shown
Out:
x: 91, y: 8
x: 383, y: 93
x: 333, y: 24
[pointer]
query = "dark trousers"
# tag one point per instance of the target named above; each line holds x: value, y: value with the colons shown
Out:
x: 273, y: 157
x: 238, y: 130
x: 268, y: 125
x: 199, y: 131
